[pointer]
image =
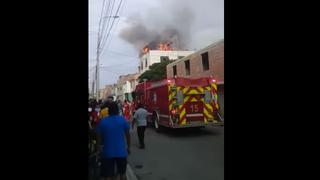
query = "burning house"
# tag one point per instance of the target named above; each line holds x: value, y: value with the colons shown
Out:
x: 160, y: 39
x: 156, y: 52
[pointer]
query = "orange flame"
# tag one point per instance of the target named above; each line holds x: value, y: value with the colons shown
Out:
x: 163, y: 46
x: 145, y: 49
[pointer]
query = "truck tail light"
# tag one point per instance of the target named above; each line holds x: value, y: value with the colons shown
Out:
x: 174, y: 115
x: 173, y: 111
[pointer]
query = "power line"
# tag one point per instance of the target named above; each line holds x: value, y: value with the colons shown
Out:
x: 100, y: 20
x: 104, y: 40
x: 100, y: 30
x: 101, y: 34
x: 108, y: 43
x: 105, y: 25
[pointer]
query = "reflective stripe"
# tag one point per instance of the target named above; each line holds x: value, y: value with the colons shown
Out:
x: 194, y: 115
x: 164, y: 115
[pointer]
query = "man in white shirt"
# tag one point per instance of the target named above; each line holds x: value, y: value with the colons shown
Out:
x: 140, y: 118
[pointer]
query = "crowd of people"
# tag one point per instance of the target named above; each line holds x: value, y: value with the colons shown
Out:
x: 99, y: 110
x: 109, y: 125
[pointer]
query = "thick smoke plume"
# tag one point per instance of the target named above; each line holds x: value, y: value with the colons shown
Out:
x: 169, y: 23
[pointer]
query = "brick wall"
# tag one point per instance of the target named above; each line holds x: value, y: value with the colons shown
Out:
x: 216, y: 63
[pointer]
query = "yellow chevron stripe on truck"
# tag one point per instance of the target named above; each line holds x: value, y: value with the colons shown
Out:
x: 194, y: 99
x: 200, y: 89
x: 208, y: 109
x: 184, y: 90
x: 182, y: 116
x: 214, y: 86
x: 193, y: 91
x: 209, y: 106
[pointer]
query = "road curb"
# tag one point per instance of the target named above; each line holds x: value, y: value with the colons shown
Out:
x: 130, y: 173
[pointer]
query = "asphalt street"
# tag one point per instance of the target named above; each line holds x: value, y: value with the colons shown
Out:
x: 174, y: 154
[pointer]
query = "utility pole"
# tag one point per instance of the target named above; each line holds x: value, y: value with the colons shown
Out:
x: 92, y: 90
x: 99, y: 49
x: 102, y: 39
x: 97, y: 74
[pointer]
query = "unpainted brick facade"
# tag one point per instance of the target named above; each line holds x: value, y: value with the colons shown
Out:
x: 216, y: 63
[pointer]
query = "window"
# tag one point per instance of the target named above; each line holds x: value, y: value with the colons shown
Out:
x: 164, y: 58
x: 205, y: 61
x: 146, y: 63
x: 174, y: 70
x: 187, y: 66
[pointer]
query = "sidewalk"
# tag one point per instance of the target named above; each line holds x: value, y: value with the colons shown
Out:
x: 130, y: 173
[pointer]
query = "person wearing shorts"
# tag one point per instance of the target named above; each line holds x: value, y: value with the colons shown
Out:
x: 113, y: 133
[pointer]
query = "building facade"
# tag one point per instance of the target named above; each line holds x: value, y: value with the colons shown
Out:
x: 105, y: 92
x: 114, y: 91
x: 125, y: 86
x: 206, y: 62
x: 156, y: 56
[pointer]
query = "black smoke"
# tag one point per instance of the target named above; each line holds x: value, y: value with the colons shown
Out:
x: 169, y: 23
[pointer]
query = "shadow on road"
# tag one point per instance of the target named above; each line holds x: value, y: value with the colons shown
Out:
x: 190, y: 132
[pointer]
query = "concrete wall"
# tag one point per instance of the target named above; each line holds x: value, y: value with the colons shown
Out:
x: 153, y: 56
x: 105, y: 92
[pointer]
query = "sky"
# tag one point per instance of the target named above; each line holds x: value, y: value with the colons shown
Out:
x: 200, y: 22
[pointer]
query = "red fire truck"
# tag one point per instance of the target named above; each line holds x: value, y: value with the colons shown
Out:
x: 180, y: 102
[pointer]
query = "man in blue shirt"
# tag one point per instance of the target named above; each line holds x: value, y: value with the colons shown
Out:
x: 112, y: 132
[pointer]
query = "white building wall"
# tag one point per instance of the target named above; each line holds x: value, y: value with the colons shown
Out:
x: 153, y: 56
x: 127, y: 87
x: 114, y: 90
